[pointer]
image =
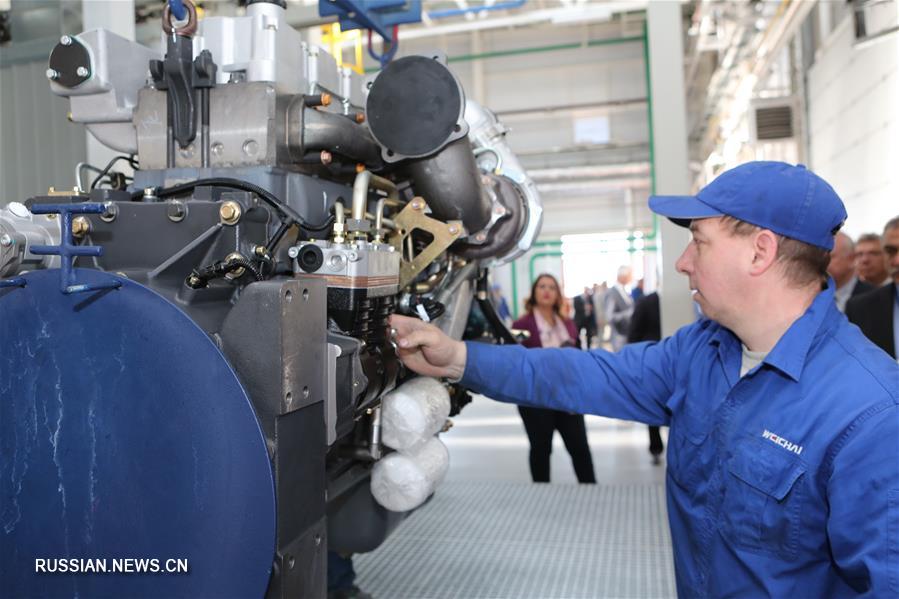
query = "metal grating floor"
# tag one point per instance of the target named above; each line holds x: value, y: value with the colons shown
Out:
x: 492, y: 540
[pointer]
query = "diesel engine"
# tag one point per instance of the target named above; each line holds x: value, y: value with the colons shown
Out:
x: 197, y: 359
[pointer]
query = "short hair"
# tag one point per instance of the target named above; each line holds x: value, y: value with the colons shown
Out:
x: 803, y: 263
x: 848, y: 240
x: 869, y: 237
x: 624, y: 269
x: 893, y: 223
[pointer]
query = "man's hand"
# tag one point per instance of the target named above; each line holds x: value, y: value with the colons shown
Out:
x: 425, y: 349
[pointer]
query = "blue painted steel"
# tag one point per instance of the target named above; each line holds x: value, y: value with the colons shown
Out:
x: 15, y: 282
x: 377, y: 15
x: 124, y: 433
x: 455, y: 12
x: 177, y: 9
x: 67, y: 250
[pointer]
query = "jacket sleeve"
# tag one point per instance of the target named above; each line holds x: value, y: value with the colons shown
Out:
x: 632, y: 384
x: 863, y: 495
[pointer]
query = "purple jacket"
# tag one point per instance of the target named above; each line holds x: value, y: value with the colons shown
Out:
x: 529, y: 323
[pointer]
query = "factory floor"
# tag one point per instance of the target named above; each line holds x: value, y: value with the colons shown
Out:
x: 490, y: 533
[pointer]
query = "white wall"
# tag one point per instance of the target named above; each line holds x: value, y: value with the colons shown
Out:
x: 854, y: 125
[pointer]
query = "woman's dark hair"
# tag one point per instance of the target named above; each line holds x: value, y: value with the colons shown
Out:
x: 531, y: 302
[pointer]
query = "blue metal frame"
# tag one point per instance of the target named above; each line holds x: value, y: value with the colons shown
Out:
x: 67, y: 250
x: 16, y: 282
x: 377, y: 15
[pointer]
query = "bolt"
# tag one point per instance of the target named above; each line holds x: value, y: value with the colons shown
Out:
x: 65, y: 40
x: 110, y: 211
x: 480, y: 237
x: 360, y: 117
x: 81, y: 71
x: 499, y: 210
x: 326, y: 157
x: 229, y: 212
x: 326, y: 99
x: 453, y: 229
x: 293, y: 252
x: 176, y: 211
x: 360, y: 167
x: 80, y: 226
x: 5, y: 240
x: 52, y: 74
x: 149, y: 193
x: 416, y: 205
x: 318, y: 540
x: 260, y: 251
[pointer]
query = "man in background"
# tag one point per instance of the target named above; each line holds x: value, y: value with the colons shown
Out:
x: 584, y: 318
x: 842, y: 269
x: 877, y: 313
x: 619, y: 307
x: 646, y: 325
x: 872, y: 262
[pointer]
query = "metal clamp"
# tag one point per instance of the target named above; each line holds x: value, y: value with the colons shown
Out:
x: 67, y: 250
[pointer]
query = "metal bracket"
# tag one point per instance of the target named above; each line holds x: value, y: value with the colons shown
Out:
x: 413, y: 217
x: 377, y: 15
x: 67, y: 250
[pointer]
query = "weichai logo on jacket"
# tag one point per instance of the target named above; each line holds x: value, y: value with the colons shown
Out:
x: 797, y: 449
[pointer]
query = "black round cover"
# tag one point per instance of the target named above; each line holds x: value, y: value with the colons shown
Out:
x: 414, y: 106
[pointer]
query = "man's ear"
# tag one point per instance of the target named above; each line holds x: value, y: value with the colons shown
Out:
x: 764, y: 247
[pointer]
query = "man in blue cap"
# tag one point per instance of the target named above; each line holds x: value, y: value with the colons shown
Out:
x: 783, y: 457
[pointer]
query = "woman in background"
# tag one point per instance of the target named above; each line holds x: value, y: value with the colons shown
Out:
x: 548, y: 328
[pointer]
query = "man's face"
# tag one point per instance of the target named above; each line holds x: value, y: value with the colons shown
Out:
x: 871, y: 261
x: 891, y: 247
x: 714, y: 261
x: 842, y: 261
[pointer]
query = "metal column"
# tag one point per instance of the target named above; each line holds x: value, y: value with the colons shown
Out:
x: 669, y: 139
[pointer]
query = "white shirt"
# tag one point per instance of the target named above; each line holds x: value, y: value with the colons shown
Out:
x: 842, y: 294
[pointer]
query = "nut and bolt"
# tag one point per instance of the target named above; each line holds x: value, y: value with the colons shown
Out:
x: 360, y: 167
x: 360, y: 117
x: 293, y: 252
x: 260, y: 251
x: 65, y: 40
x: 81, y: 226
x: 229, y: 212
x: 5, y: 240
x: 326, y: 99
x: 453, y: 229
x: 52, y: 74
x: 150, y: 193
x: 499, y: 210
x: 325, y: 157
x: 417, y: 204
x: 81, y: 71
x: 480, y: 237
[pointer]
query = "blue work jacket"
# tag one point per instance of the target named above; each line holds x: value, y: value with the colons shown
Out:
x: 782, y: 483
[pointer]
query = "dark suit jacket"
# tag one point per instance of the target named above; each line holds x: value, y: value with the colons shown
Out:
x: 872, y: 312
x: 646, y: 323
x: 529, y: 323
x: 581, y: 320
x: 861, y: 288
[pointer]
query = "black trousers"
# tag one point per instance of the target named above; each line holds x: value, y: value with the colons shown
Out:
x: 655, y: 441
x: 540, y: 425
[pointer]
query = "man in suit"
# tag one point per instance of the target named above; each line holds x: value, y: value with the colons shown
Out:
x: 842, y: 269
x: 877, y: 313
x: 584, y: 319
x: 619, y: 307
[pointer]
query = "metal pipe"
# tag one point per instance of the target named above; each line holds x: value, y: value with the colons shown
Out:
x: 364, y: 180
x: 375, y: 438
x: 204, y: 127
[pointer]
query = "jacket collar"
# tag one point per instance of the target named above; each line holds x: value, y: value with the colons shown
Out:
x: 791, y: 350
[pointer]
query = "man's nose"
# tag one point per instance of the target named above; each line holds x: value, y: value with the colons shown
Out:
x: 685, y: 263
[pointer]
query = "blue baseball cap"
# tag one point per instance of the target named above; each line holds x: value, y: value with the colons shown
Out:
x: 789, y: 200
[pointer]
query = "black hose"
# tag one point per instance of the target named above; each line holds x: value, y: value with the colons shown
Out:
x: 286, y: 212
x: 110, y: 164
x: 503, y: 335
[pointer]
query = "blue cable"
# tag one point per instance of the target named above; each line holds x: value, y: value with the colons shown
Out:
x: 178, y: 10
